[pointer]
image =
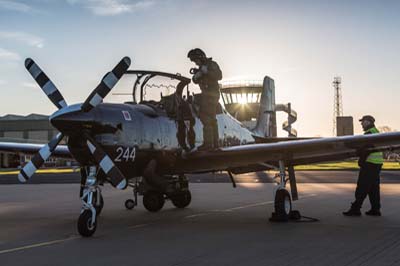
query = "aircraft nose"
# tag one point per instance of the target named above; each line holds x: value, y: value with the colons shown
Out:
x: 70, y: 119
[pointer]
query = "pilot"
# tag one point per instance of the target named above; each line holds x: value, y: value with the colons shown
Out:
x: 368, y: 178
x: 207, y: 75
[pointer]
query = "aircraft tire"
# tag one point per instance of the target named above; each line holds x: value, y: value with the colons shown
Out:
x: 283, y: 204
x: 129, y: 204
x: 85, y: 228
x: 182, y: 199
x: 153, y: 201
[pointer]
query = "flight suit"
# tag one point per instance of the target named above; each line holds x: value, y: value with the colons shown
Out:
x: 368, y: 183
x: 207, y: 79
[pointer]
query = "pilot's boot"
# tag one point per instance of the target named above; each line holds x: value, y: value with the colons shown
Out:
x: 353, y: 211
x: 215, y: 137
x: 207, y: 139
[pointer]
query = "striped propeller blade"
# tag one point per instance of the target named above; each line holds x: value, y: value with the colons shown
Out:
x: 37, y: 161
x: 106, y: 84
x: 117, y: 179
x: 45, y: 83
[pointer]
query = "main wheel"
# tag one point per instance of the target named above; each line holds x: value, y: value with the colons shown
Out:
x: 182, y: 199
x: 129, y: 204
x: 153, y: 201
x: 85, y: 226
x: 283, y: 203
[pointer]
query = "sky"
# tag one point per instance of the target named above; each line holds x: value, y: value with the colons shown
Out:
x: 302, y: 45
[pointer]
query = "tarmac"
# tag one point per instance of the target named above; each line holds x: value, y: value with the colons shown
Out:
x: 222, y: 226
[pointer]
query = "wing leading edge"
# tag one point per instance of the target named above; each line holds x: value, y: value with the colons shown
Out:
x: 27, y: 148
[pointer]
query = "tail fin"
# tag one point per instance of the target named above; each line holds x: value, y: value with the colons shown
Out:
x: 266, y: 120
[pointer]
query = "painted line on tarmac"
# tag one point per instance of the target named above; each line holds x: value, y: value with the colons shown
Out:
x: 239, y: 207
x: 139, y: 225
x: 48, y: 243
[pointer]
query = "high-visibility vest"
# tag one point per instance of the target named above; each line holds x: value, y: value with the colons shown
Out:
x: 374, y: 157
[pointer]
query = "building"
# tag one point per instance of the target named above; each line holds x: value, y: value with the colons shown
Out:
x: 344, y: 126
x: 33, y: 128
x: 252, y: 102
x: 242, y: 100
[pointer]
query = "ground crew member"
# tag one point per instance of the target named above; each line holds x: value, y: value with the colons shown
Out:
x: 368, y: 178
x: 207, y: 75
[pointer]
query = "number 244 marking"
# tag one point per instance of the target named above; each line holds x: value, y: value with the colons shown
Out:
x: 125, y: 154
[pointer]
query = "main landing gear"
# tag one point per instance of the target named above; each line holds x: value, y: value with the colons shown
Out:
x: 283, y: 199
x: 177, y: 190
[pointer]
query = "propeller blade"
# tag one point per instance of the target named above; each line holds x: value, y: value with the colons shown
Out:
x: 118, y: 180
x: 106, y: 84
x: 45, y: 83
x: 39, y: 158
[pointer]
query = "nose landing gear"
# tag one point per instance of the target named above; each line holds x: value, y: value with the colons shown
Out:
x: 92, y: 204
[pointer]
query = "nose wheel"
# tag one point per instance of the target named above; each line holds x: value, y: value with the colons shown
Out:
x: 130, y: 204
x: 86, y: 224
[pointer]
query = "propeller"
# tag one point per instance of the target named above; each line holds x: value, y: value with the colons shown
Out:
x: 39, y: 158
x: 117, y: 179
x: 45, y: 83
x: 106, y: 84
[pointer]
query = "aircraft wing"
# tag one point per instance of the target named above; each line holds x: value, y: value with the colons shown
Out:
x: 295, y: 152
x: 27, y: 148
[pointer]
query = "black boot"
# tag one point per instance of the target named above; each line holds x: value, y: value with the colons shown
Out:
x: 353, y: 211
x: 208, y: 139
x: 373, y: 213
x: 204, y: 147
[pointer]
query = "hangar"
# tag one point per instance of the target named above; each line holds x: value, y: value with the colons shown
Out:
x: 33, y: 128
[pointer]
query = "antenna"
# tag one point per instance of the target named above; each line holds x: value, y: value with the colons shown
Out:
x: 337, y: 101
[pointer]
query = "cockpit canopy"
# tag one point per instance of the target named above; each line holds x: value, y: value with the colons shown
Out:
x: 153, y: 85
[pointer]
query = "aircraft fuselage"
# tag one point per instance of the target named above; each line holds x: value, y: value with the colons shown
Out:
x: 134, y: 134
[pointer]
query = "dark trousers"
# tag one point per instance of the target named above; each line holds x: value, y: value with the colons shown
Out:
x: 208, y: 116
x: 368, y: 184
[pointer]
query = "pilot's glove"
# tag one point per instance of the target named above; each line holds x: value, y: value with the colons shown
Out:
x: 197, y: 76
x: 204, y: 69
x: 193, y: 70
